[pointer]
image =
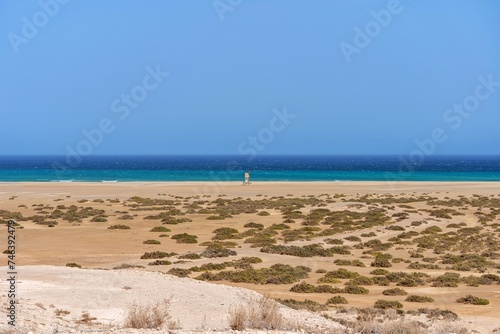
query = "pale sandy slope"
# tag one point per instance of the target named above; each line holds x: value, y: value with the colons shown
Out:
x: 195, y: 305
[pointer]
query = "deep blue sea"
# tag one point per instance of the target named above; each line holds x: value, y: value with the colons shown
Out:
x: 263, y: 168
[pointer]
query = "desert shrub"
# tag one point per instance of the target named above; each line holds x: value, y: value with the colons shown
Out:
x: 217, y: 250
x: 185, y: 238
x: 263, y: 213
x: 381, y: 261
x: 466, y: 262
x: 416, y: 265
x: 334, y: 241
x: 361, y: 280
x: 306, y: 304
x: 448, y: 280
x: 381, y: 280
x: 160, y: 263
x: 432, y: 230
x: 408, y: 235
x: 225, y: 233
x: 303, y: 233
x: 179, y: 272
x: 319, y: 271
x: 156, y: 255
x: 336, y: 274
x: 151, y: 242
x: 368, y: 235
x: 210, y: 266
x: 126, y: 217
x: 394, y: 292
x: 419, y: 299
x: 128, y: 266
x: 190, y: 256
x: 276, y: 274
x: 470, y: 299
x: 395, y: 228
x: 356, y: 290
x: 119, y: 227
x: 388, y: 304
x: 337, y: 300
x: 149, y: 316
x: 354, y: 263
x: 305, y: 251
x: 99, y: 219
x: 353, y: 238
x: 73, y: 265
x: 279, y: 227
x: 160, y: 229
x: 304, y: 287
x: 379, y: 272
x: 254, y: 225
x: 261, y: 239
x: 418, y: 222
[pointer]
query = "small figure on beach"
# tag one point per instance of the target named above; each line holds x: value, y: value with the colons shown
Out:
x: 247, y: 179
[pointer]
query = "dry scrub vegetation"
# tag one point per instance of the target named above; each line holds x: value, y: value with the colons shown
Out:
x: 364, y: 250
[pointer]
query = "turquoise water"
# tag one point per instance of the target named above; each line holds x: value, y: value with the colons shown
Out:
x: 232, y: 168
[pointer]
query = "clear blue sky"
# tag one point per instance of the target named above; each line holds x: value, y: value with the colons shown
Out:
x: 226, y: 76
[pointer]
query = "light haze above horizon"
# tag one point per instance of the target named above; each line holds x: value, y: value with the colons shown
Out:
x: 240, y: 76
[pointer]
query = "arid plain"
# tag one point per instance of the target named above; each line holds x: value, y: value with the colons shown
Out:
x: 339, y: 245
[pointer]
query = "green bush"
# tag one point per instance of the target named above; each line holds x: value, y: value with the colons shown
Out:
x: 119, y: 227
x: 340, y: 273
x: 179, y: 272
x: 99, y: 219
x: 447, y: 280
x: 419, y: 299
x: 356, y: 290
x: 354, y: 263
x: 190, y: 256
x: 263, y: 213
x: 361, y: 280
x: 73, y: 265
x: 276, y: 274
x: 151, y: 242
x: 353, y: 238
x: 254, y: 225
x: 381, y: 261
x: 305, y: 251
x: 156, y: 255
x: 217, y: 250
x: 225, y: 233
x: 160, y: 229
x: 304, y: 287
x: 185, y: 238
x: 395, y: 228
x: 160, y: 263
x: 469, y: 299
x: 334, y: 241
x: 337, y: 300
x: 388, y: 304
x: 394, y: 292
x: 381, y: 272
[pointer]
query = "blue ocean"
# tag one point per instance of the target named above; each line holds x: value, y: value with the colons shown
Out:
x: 263, y: 168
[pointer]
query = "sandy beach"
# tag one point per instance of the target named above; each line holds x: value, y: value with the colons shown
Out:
x: 411, y: 206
